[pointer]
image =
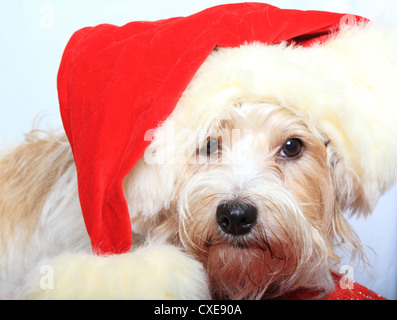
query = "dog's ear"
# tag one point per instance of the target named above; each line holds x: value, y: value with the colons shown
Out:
x: 149, y: 189
x: 349, y: 192
x: 349, y: 196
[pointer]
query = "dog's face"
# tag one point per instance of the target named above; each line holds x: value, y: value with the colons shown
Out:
x: 254, y: 201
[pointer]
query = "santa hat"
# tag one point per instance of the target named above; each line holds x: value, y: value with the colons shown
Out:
x: 116, y: 83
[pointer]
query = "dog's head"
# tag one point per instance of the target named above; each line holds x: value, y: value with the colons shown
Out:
x: 255, y: 200
x: 245, y: 178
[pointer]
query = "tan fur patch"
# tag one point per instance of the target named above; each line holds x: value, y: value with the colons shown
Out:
x: 27, y: 174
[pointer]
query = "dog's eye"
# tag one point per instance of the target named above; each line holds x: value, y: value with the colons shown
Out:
x: 213, y: 145
x: 292, y: 148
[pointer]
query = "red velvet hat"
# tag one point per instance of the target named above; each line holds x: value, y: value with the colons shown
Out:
x: 115, y: 83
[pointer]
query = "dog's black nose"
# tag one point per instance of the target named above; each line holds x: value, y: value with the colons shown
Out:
x: 236, y: 218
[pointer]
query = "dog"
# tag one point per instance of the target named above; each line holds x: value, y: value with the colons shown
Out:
x: 256, y: 203
x: 242, y: 183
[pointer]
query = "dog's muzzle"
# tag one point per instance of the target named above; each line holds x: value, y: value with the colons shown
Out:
x: 236, y: 218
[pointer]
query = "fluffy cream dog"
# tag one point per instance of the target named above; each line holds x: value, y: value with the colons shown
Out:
x: 244, y: 200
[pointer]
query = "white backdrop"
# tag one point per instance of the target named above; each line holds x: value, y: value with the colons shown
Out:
x: 33, y: 34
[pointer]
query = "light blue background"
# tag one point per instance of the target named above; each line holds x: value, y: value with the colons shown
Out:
x: 33, y: 34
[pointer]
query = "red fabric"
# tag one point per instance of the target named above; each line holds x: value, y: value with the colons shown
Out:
x: 353, y: 291
x: 115, y: 83
x: 356, y: 292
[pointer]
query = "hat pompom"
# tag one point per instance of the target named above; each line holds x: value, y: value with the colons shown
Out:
x: 155, y: 272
